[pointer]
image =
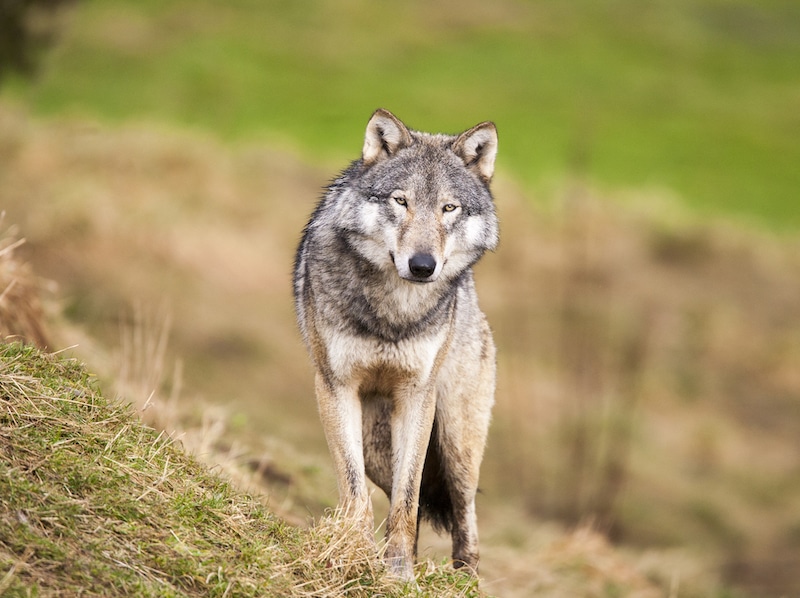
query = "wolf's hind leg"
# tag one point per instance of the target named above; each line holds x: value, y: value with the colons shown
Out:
x: 463, y: 423
x: 465, y: 534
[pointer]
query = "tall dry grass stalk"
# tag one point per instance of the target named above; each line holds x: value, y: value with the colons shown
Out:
x: 143, y: 367
x: 152, y: 381
x: 21, y: 313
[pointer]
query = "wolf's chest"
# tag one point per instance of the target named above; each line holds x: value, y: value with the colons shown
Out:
x: 377, y: 362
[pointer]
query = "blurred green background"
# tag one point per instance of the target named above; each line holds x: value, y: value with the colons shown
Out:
x: 699, y: 97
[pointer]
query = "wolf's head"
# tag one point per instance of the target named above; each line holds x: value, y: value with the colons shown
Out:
x: 422, y: 203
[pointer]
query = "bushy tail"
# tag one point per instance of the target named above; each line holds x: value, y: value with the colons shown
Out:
x: 435, y: 502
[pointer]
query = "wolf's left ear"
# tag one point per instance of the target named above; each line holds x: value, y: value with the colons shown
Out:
x: 478, y: 148
x: 385, y: 135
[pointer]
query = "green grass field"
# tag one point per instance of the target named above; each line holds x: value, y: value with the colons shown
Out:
x: 699, y: 97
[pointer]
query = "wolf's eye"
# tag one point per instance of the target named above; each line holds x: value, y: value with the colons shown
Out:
x: 401, y: 201
x: 449, y: 207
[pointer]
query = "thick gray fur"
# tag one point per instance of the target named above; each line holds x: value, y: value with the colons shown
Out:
x: 404, y: 358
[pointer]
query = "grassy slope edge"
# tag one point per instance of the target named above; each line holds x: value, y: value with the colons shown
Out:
x: 92, y: 501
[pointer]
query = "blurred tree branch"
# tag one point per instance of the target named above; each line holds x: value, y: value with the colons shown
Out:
x: 27, y: 28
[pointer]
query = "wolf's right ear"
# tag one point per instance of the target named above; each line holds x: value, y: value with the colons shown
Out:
x: 385, y: 135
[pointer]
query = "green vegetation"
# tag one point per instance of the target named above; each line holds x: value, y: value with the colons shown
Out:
x: 697, y: 96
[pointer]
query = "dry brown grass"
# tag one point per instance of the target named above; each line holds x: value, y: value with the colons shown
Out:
x: 21, y: 313
x: 647, y: 359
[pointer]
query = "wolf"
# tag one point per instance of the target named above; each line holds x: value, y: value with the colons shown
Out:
x: 404, y: 357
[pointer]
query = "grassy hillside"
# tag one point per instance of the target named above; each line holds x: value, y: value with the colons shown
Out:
x: 697, y: 96
x: 93, y: 503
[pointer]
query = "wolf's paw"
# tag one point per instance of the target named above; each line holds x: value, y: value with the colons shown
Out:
x: 467, y: 562
x: 401, y: 568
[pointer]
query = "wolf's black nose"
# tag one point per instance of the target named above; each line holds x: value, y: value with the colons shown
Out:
x: 422, y: 265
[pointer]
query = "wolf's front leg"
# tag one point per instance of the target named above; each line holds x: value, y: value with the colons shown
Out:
x: 412, y: 422
x: 340, y: 413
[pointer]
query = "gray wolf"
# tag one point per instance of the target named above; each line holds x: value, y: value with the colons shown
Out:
x: 404, y: 358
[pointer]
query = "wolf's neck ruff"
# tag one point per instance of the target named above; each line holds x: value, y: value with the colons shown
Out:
x: 381, y: 304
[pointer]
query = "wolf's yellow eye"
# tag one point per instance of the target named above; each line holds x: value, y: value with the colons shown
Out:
x: 449, y: 207
x: 401, y: 200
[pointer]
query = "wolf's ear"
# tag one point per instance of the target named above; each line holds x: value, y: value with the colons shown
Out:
x: 385, y: 135
x: 478, y: 148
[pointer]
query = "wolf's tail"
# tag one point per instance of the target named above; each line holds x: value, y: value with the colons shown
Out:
x: 435, y: 502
